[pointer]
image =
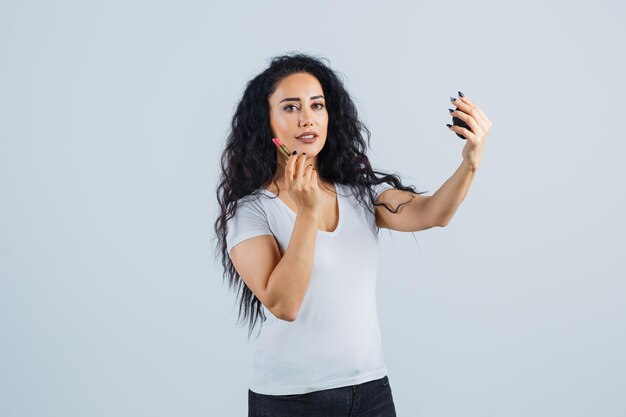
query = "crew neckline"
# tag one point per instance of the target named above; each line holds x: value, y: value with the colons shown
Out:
x: 294, y: 215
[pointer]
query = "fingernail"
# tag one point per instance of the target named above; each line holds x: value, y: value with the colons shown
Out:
x: 461, y: 94
x: 294, y: 152
x: 450, y: 110
x: 452, y: 99
x: 449, y: 125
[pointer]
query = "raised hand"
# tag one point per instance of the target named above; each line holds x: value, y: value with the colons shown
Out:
x: 301, y: 184
x: 479, y: 124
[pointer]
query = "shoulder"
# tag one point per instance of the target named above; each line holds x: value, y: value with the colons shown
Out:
x: 251, y: 204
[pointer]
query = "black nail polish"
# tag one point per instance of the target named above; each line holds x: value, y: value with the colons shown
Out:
x: 458, y: 122
x: 450, y: 110
x: 461, y: 94
x: 294, y: 152
x: 452, y: 99
x: 449, y: 125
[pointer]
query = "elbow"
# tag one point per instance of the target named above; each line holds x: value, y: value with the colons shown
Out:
x: 289, y: 317
x: 443, y: 222
x: 438, y: 219
x: 285, y: 314
x: 282, y: 310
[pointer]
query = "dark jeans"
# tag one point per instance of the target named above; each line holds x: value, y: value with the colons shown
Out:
x: 369, y: 399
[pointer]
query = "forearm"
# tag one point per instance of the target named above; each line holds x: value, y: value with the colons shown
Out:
x: 290, y: 279
x: 447, y: 199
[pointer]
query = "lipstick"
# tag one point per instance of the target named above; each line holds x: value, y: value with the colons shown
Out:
x: 282, y: 147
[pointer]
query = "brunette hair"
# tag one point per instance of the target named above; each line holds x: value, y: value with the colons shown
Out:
x: 249, y: 161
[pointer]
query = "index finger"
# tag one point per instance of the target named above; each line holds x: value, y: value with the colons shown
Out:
x: 473, y: 105
x: 291, y: 161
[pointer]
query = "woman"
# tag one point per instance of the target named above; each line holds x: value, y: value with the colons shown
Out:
x: 298, y: 237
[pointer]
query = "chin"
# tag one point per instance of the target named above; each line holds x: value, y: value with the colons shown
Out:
x: 310, y: 148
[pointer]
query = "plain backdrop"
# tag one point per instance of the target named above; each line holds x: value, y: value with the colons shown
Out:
x: 113, y: 116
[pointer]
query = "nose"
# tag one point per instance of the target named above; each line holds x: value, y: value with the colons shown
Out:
x: 305, y: 119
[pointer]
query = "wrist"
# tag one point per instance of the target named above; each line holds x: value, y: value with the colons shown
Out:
x: 308, y: 214
x: 469, y: 166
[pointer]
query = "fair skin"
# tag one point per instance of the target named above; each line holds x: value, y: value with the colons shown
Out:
x: 298, y: 106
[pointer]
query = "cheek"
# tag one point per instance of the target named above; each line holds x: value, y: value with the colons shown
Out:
x: 324, y: 123
x: 279, y: 122
x: 274, y: 124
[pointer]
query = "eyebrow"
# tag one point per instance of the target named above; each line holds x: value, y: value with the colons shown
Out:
x: 298, y: 99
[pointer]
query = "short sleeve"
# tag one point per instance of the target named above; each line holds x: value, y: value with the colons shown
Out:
x: 379, y: 188
x: 249, y: 221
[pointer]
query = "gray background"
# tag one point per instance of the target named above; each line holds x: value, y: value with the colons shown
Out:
x: 112, y: 119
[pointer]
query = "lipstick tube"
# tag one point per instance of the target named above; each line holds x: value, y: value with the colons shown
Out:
x: 282, y: 147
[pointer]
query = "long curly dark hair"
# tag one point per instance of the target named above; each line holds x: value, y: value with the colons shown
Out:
x: 249, y: 157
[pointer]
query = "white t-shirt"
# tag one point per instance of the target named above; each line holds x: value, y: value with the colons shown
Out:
x: 335, y: 339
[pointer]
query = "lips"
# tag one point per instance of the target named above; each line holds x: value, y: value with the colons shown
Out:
x: 307, y: 134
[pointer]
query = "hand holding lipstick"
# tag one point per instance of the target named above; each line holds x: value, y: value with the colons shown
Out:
x: 301, y: 181
x: 282, y: 148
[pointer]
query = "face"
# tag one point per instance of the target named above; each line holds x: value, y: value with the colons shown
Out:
x: 298, y: 106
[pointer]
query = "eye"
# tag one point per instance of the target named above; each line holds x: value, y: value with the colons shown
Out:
x: 288, y: 106
x: 321, y: 106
